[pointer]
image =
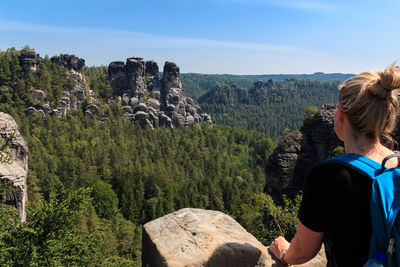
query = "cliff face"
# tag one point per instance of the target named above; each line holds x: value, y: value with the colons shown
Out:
x: 16, y: 171
x: 151, y: 101
x: 294, y: 157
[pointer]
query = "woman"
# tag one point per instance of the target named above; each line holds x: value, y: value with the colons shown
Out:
x: 336, y: 200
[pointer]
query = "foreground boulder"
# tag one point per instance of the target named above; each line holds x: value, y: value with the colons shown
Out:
x: 16, y: 170
x: 196, y: 237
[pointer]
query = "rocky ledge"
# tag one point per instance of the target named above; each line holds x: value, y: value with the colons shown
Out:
x: 16, y: 170
x: 196, y: 237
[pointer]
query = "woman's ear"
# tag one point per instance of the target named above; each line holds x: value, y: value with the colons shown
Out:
x: 340, y: 114
x: 339, y: 122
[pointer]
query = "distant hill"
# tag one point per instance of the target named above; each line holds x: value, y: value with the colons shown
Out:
x: 196, y: 84
x: 267, y: 106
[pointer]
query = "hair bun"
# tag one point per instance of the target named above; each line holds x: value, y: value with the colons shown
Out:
x: 386, y: 81
x: 389, y: 78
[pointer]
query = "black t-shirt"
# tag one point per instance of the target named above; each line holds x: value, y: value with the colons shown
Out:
x: 336, y: 201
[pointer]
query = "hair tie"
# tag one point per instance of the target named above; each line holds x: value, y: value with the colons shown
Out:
x: 383, y: 88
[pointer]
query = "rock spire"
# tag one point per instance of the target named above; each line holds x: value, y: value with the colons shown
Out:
x: 151, y: 101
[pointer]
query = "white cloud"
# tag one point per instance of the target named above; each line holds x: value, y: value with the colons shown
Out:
x: 102, y: 46
x: 149, y: 40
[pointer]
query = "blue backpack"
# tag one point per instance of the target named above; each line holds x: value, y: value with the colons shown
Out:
x: 385, y: 204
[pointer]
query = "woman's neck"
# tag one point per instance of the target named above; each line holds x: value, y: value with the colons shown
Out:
x: 366, y: 149
x: 370, y: 148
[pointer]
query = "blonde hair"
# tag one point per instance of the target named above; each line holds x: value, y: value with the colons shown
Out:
x: 370, y: 102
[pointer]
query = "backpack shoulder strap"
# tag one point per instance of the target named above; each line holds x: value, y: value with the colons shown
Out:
x: 359, y: 163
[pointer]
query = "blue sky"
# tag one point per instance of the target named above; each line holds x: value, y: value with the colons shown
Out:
x: 212, y: 36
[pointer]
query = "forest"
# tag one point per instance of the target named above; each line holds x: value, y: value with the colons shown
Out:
x: 93, y: 183
x: 272, y: 109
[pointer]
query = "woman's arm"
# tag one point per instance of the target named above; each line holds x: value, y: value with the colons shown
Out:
x: 304, y: 246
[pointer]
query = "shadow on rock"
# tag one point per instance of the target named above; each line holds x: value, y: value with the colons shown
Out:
x: 235, y: 254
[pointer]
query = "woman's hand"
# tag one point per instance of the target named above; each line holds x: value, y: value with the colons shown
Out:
x: 303, y: 247
x: 279, y: 245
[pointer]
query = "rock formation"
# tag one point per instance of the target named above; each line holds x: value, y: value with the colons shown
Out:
x: 150, y: 101
x: 195, y: 237
x: 29, y: 60
x: 76, y: 96
x: 294, y: 157
x: 70, y: 100
x: 71, y: 62
x: 16, y: 170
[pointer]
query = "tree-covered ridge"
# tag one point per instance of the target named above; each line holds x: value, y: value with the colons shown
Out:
x: 267, y: 107
x: 197, y: 84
